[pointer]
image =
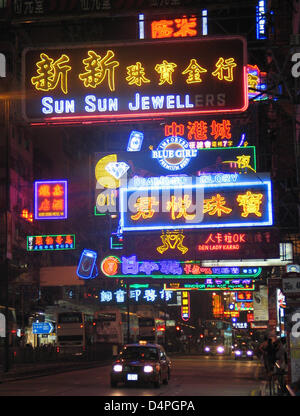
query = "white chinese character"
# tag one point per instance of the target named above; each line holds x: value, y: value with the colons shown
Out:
x: 135, y: 294
x: 105, y: 296
x: 150, y: 295
x: 120, y: 295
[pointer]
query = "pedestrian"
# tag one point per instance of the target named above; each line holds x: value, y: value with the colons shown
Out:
x: 281, y: 354
x: 269, y: 355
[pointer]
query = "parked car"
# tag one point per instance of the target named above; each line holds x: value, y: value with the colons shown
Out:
x: 141, y: 363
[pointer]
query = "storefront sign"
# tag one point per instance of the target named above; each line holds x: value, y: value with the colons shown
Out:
x: 50, y: 200
x: 118, y: 82
x: 149, y: 295
x: 51, y: 242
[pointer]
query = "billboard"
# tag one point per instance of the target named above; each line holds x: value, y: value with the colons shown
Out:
x: 204, y: 245
x: 233, y: 201
x: 135, y: 81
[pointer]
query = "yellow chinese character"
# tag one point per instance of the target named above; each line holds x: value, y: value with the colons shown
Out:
x: 144, y: 207
x: 194, y: 70
x: 51, y: 72
x: 97, y: 69
x: 250, y: 203
x: 181, y: 206
x: 136, y: 74
x: 216, y: 205
x: 224, y: 66
x: 252, y: 82
x: 165, y: 71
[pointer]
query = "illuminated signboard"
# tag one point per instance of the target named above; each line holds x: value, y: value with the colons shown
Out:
x: 50, y: 242
x: 50, y: 200
x: 257, y: 83
x: 116, y: 170
x: 115, y: 82
x: 179, y: 27
x: 148, y: 296
x: 214, y: 284
x: 205, y: 245
x: 205, y: 133
x: 185, y: 305
x: 243, y: 201
x: 132, y: 267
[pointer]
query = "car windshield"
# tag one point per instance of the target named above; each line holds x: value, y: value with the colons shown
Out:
x: 139, y: 353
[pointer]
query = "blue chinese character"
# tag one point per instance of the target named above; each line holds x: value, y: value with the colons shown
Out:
x: 130, y: 265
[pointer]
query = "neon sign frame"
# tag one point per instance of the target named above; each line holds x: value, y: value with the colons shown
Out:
x: 40, y: 183
x: 51, y: 106
x: 126, y: 226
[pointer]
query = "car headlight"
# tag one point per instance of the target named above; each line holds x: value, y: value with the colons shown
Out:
x: 249, y: 352
x: 148, y: 369
x: 117, y: 368
x: 220, y: 349
x: 206, y: 349
x: 237, y: 352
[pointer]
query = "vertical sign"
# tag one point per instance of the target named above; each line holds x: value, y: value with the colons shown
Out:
x: 185, y: 305
x: 50, y: 200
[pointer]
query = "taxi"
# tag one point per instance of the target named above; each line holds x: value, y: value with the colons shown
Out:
x: 141, y: 363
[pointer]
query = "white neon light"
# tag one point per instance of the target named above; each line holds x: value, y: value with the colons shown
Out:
x: 141, y: 26
x: 204, y: 22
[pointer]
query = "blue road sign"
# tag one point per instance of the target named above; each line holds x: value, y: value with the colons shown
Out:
x: 42, y: 328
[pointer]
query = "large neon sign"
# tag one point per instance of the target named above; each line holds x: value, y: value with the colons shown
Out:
x: 132, y: 267
x: 121, y: 82
x: 244, y: 203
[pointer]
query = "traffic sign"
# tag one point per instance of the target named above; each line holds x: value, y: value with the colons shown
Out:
x: 42, y: 328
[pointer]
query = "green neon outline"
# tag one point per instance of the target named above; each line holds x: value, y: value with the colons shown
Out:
x: 50, y: 249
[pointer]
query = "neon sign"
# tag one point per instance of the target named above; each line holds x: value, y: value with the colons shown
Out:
x: 130, y: 266
x: 185, y: 305
x: 246, y: 202
x: 121, y: 82
x: 148, y: 295
x: 181, y: 27
x: 51, y: 242
x: 204, y: 245
x: 213, y: 284
x: 173, y: 153
x: 50, y: 200
x: 27, y: 215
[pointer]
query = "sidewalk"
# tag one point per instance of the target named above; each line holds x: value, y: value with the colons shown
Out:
x: 24, y: 371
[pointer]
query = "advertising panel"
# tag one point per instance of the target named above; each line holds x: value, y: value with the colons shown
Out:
x: 121, y: 82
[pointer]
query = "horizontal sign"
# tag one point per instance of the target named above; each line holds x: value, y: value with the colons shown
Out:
x: 42, y: 328
x: 131, y: 266
x: 213, y: 284
x: 245, y: 202
x: 117, y: 82
x: 50, y: 242
x: 149, y: 295
x: 204, y: 245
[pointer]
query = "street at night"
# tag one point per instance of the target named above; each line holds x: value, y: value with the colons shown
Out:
x: 149, y: 199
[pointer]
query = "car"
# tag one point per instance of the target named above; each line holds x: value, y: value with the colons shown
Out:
x: 141, y: 363
x: 243, y: 350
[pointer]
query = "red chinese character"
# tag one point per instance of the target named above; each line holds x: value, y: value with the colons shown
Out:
x: 58, y: 190
x: 44, y: 190
x: 45, y: 205
x: 59, y: 239
x: 58, y: 204
x: 49, y: 240
x: 69, y: 240
x: 39, y: 241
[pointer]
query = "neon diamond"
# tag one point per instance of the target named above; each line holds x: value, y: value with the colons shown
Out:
x: 117, y: 169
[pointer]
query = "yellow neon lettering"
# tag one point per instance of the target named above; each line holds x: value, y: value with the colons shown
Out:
x: 144, y: 207
x: 51, y: 72
x: 181, y: 206
x: 165, y: 71
x: 136, y: 75
x: 251, y: 203
x: 216, y: 205
x: 97, y: 68
x: 224, y: 69
x: 194, y: 71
